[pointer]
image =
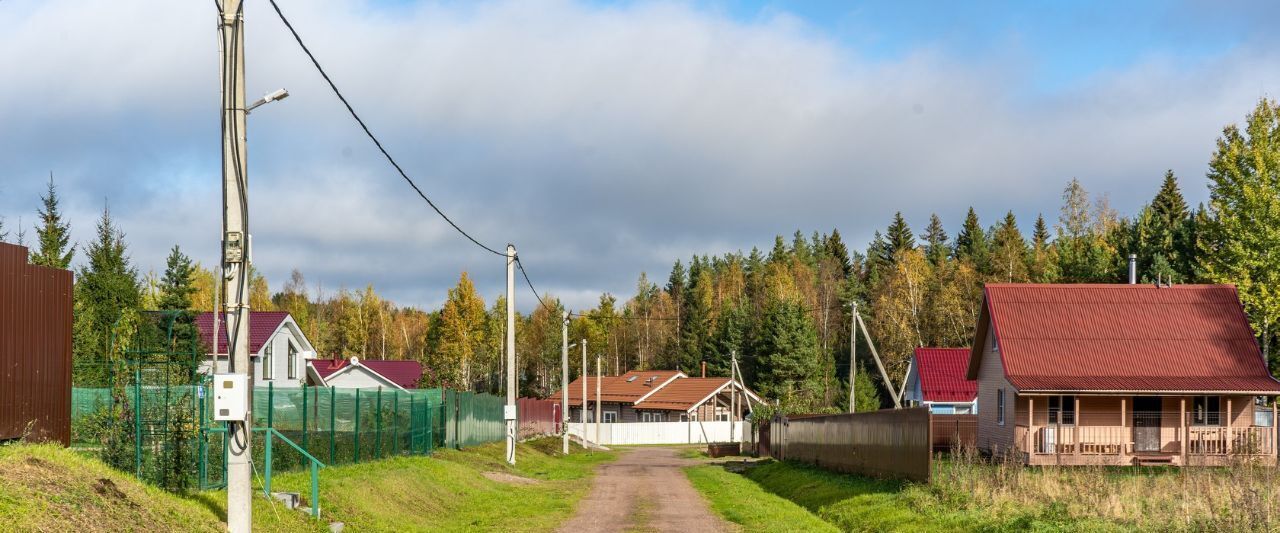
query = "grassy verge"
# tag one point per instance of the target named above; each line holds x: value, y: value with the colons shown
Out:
x: 971, y: 495
x: 739, y: 500
x: 44, y: 488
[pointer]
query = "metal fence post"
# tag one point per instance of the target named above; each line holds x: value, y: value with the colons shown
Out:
x: 377, y: 421
x: 395, y: 415
x: 204, y: 441
x: 271, y: 404
x: 267, y: 460
x: 356, y: 431
x: 333, y: 444
x: 304, y: 422
x: 137, y: 419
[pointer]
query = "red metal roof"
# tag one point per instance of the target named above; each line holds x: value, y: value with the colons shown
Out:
x: 401, y: 372
x: 1123, y: 338
x: 942, y: 375
x: 682, y: 394
x: 261, y: 325
x: 620, y: 389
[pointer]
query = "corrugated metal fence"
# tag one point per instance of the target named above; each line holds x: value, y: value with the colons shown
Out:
x: 35, y: 349
x: 887, y: 443
x: 538, y: 417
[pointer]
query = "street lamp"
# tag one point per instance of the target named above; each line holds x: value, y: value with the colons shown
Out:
x: 278, y: 94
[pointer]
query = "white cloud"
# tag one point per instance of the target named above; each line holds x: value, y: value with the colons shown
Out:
x: 601, y: 140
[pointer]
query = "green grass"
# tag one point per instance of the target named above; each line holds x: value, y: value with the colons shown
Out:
x: 768, y: 497
x: 739, y: 500
x: 45, y: 488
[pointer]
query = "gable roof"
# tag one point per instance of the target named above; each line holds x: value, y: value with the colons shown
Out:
x: 1122, y: 338
x: 942, y: 374
x: 687, y: 393
x: 402, y: 373
x: 262, y: 325
x: 621, y: 389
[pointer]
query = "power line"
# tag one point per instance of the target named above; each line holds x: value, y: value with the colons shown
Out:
x: 375, y: 140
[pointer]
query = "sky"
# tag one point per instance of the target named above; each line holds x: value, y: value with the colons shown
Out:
x: 608, y: 138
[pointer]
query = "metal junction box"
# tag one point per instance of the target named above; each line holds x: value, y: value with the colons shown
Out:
x: 230, y: 396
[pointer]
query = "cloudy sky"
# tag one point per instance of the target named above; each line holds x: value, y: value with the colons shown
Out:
x: 607, y: 138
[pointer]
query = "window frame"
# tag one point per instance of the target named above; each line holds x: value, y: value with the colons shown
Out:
x: 1064, y: 406
x: 1000, y: 407
x: 268, y: 361
x: 292, y: 357
x: 1209, y: 417
x: 607, y: 415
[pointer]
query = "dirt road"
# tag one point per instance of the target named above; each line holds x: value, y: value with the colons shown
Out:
x: 644, y: 490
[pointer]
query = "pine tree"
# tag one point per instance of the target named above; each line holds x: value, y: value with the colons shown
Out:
x: 1242, y: 232
x: 899, y: 236
x: 54, y: 234
x: 971, y: 242
x: 1040, y: 237
x: 836, y: 248
x: 176, y: 288
x: 1009, y: 251
x: 106, y: 289
x: 935, y: 237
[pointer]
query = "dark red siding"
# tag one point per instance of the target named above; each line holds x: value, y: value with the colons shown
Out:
x: 35, y: 349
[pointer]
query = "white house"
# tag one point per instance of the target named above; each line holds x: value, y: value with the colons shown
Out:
x: 359, y: 373
x: 936, y: 379
x: 279, y: 351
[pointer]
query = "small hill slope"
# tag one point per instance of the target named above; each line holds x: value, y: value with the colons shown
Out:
x: 47, y: 488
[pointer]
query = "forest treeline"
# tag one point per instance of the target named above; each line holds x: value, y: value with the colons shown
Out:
x: 784, y: 309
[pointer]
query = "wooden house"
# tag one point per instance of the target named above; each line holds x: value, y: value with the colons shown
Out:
x: 1120, y: 375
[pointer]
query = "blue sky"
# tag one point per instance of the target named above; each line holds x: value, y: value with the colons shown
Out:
x: 610, y: 138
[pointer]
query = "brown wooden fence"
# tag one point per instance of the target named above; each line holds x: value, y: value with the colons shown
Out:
x: 888, y: 443
x: 954, y: 431
x: 35, y: 349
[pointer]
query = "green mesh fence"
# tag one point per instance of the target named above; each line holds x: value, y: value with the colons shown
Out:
x: 336, y: 426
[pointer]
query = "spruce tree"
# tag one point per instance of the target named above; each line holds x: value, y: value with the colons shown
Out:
x: 836, y: 248
x: 899, y: 235
x: 935, y: 237
x: 1009, y: 250
x: 787, y: 349
x: 971, y: 242
x: 1040, y: 237
x: 106, y: 289
x: 54, y: 234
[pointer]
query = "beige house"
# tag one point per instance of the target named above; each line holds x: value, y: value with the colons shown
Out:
x: 1121, y: 375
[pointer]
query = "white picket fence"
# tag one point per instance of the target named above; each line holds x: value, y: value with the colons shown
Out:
x: 624, y: 433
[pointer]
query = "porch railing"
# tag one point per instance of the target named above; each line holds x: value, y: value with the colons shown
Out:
x: 1202, y: 440
x: 1157, y: 435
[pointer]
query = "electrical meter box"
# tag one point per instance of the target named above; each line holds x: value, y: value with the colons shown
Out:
x: 230, y: 396
x: 508, y: 412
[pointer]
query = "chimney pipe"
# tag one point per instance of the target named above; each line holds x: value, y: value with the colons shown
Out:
x: 704, y: 369
x: 1133, y: 269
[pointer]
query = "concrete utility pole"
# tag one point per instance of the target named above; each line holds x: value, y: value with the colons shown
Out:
x: 599, y: 405
x: 235, y: 257
x: 853, y: 356
x: 510, y: 413
x: 733, y: 394
x: 583, y: 418
x: 564, y: 379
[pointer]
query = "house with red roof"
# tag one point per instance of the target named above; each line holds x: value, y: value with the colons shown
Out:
x: 278, y: 350
x: 1121, y: 375
x: 938, y: 379
x: 659, y: 396
x: 357, y: 373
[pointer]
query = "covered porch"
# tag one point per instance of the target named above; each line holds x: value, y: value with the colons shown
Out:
x: 1200, y: 429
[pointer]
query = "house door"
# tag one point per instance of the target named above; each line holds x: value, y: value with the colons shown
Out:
x: 1146, y: 423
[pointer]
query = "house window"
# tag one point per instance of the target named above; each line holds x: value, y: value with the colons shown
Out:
x: 1000, y: 406
x: 293, y: 361
x: 1206, y: 411
x: 684, y: 417
x: 610, y: 417
x: 1062, y: 410
x: 653, y: 417
x: 1262, y: 414
x: 268, y: 362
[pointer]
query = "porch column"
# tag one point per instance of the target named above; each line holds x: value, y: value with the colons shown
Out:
x: 1031, y: 427
x: 1272, y: 431
x: 1228, y: 425
x: 1124, y: 425
x: 1078, y: 430
x: 1182, y: 429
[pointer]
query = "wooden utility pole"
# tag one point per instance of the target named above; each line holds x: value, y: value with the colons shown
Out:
x: 853, y: 356
x: 599, y: 405
x: 583, y: 418
x: 888, y: 383
x: 235, y: 259
x: 733, y: 395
